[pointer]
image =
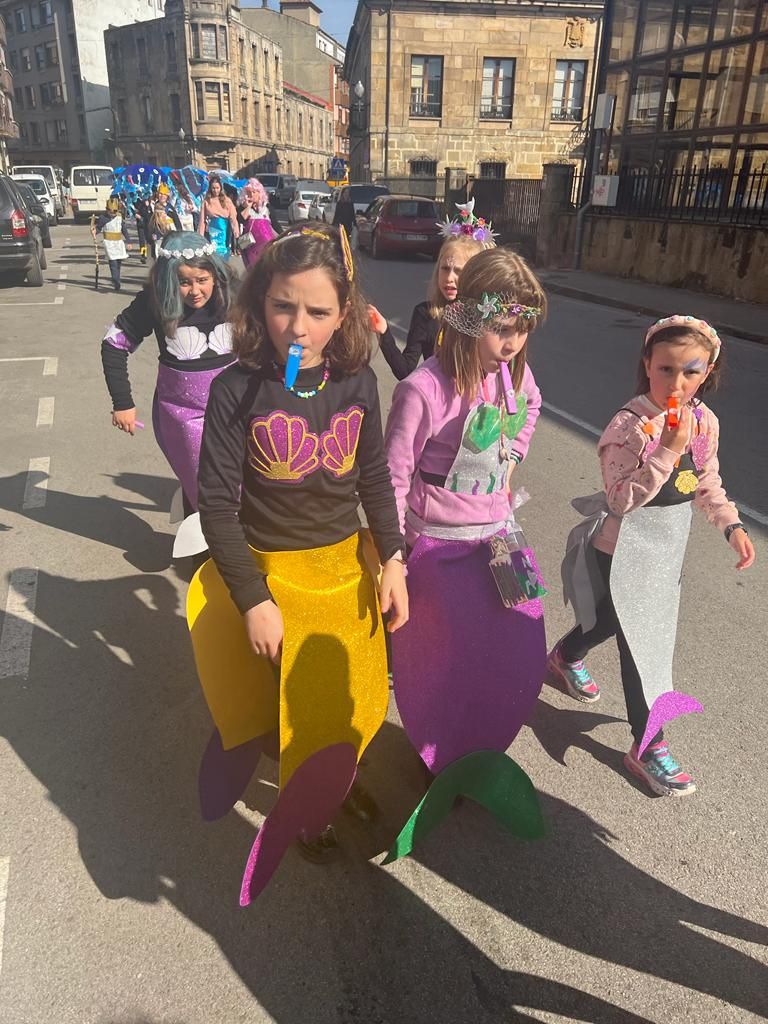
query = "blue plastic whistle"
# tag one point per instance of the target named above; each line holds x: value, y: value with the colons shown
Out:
x: 292, y: 365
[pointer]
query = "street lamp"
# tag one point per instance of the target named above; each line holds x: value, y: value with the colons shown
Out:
x: 187, y: 147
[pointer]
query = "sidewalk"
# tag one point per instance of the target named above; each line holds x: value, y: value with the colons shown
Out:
x: 741, y: 319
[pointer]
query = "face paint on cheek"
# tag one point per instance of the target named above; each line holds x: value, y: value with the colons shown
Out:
x: 695, y: 366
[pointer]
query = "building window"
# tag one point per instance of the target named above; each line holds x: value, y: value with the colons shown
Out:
x: 20, y: 21
x: 22, y: 130
x: 279, y: 124
x: 26, y: 60
x: 311, y: 130
x: 212, y: 101
x: 223, y: 43
x: 14, y: 58
x: 423, y: 168
x: 146, y: 109
x: 40, y: 57
x: 78, y: 87
x: 170, y: 49
x: 287, y: 125
x: 18, y: 96
x: 61, y: 130
x: 34, y: 133
x: 268, y: 125
x: 568, y: 97
x: 277, y: 71
x: 426, y: 86
x: 31, y: 97
x: 225, y: 102
x: 266, y: 69
x: 81, y: 126
x: 493, y: 170
x: 199, y: 101
x: 656, y: 26
x: 244, y: 114
x: 208, y: 49
x: 256, y: 118
x: 498, y: 88
x: 141, y: 53
x: 122, y: 115
x: 645, y: 101
x: 51, y: 55
x: 175, y: 111
x: 46, y: 13
x: 301, y: 128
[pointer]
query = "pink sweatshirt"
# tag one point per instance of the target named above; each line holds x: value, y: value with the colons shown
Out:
x: 632, y: 480
x: 424, y: 431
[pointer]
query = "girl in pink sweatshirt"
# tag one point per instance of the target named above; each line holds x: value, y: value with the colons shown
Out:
x: 622, y: 567
x: 468, y: 668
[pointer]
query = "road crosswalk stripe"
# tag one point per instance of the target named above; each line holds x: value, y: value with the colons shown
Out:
x: 18, y: 623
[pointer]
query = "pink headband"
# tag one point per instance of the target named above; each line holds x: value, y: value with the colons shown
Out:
x: 679, y: 320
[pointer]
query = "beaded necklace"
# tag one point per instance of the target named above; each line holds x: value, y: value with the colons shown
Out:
x: 312, y: 391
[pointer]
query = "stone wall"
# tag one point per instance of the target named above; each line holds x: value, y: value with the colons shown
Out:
x: 459, y: 137
x: 713, y: 258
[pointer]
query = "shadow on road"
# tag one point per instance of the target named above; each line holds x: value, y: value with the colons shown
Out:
x: 347, y: 942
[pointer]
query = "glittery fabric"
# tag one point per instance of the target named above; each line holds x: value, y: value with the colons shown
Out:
x: 308, y: 803
x: 178, y: 412
x: 490, y: 778
x: 666, y: 707
x: 467, y: 671
x: 225, y: 774
x: 282, y: 446
x: 645, y: 587
x: 333, y: 675
x: 119, y: 339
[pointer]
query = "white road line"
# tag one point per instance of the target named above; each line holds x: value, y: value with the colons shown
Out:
x: 5, y: 864
x: 62, y: 275
x: 45, y: 412
x: 51, y: 366
x: 61, y: 287
x: 36, y: 490
x: 56, y: 302
x: 18, y: 624
x: 747, y: 510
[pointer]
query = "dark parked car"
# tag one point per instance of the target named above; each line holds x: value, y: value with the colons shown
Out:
x: 37, y: 210
x: 400, y: 224
x: 21, y: 241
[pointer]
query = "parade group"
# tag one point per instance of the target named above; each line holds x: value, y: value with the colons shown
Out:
x: 267, y: 411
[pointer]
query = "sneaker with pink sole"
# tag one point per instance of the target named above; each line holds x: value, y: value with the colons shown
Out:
x: 575, y: 675
x: 659, y: 770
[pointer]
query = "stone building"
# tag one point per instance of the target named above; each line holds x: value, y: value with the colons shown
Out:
x: 8, y: 127
x: 311, y: 57
x: 61, y: 93
x: 199, y: 86
x: 497, y: 88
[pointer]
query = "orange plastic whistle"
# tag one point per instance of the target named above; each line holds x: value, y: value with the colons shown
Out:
x: 673, y: 412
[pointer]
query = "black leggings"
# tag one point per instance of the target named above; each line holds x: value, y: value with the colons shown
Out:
x: 577, y: 644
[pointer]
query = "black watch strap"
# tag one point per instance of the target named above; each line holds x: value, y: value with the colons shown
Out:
x: 735, y: 526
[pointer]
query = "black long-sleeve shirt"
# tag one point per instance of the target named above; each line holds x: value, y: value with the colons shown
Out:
x: 207, y: 345
x: 421, y: 341
x: 345, y: 214
x: 282, y: 473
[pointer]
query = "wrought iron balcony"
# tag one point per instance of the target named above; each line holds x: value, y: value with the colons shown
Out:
x: 567, y: 113
x: 496, y: 111
x: 432, y: 108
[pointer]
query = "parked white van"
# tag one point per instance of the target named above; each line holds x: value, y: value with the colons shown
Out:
x: 39, y: 186
x: 90, y: 186
x: 52, y: 180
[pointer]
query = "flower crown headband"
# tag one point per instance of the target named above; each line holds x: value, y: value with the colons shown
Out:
x: 187, y: 254
x: 346, y: 249
x: 471, y: 317
x: 681, y: 320
x: 467, y: 225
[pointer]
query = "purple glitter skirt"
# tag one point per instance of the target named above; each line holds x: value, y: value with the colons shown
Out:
x: 467, y: 671
x: 178, y: 413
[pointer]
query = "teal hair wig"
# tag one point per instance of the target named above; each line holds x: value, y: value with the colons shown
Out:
x: 164, y: 276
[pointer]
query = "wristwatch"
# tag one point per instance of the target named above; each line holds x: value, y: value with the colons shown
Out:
x: 734, y: 526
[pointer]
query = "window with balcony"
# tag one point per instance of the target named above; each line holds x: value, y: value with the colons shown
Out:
x: 20, y: 20
x: 46, y: 12
x: 426, y: 86
x: 40, y: 57
x: 498, y: 88
x: 493, y: 170
x: 30, y: 96
x: 26, y: 59
x: 61, y: 130
x: 51, y: 55
x: 568, y: 95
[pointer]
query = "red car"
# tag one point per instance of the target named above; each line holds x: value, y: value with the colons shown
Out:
x: 400, y: 224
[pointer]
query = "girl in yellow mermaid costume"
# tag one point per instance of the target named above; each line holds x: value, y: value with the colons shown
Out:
x: 285, y: 621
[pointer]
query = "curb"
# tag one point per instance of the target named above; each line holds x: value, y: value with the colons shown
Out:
x: 637, y: 307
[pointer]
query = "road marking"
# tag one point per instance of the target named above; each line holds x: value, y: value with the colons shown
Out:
x: 5, y: 864
x: 61, y: 287
x: 747, y: 510
x: 50, y: 363
x: 56, y: 302
x: 45, y: 412
x: 36, y: 490
x: 62, y: 275
x: 18, y: 624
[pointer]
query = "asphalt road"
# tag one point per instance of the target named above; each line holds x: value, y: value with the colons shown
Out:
x: 119, y: 906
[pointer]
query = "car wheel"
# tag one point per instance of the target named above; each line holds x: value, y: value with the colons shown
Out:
x: 47, y: 243
x: 55, y: 220
x: 43, y: 259
x: 35, y: 273
x: 375, y: 250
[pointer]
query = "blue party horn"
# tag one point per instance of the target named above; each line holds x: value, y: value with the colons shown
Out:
x: 292, y: 366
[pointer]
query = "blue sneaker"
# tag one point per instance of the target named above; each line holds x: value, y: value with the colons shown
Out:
x: 578, y: 682
x: 659, y: 770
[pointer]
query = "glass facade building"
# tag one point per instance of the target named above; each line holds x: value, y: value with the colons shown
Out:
x: 690, y: 126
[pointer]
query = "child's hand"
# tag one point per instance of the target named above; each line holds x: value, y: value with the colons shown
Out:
x: 264, y: 626
x: 376, y: 320
x: 125, y: 419
x: 743, y: 547
x: 675, y: 439
x: 393, y: 593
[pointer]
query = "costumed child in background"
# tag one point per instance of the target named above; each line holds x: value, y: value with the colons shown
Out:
x: 465, y: 236
x: 218, y: 218
x: 469, y: 665
x: 185, y: 303
x: 114, y: 233
x: 256, y: 228
x: 164, y: 218
x: 285, y: 623
x: 622, y: 569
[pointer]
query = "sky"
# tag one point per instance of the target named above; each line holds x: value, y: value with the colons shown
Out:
x: 336, y: 18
